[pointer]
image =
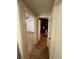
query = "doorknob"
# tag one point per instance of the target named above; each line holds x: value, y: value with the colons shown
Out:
x: 49, y: 38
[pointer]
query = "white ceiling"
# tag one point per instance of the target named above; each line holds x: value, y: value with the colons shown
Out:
x: 40, y: 6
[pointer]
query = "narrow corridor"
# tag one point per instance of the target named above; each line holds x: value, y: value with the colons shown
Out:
x: 33, y: 31
x: 40, y: 50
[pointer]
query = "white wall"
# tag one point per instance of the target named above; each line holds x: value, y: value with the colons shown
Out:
x: 19, y: 34
x: 55, y: 44
x: 31, y: 36
x: 21, y: 39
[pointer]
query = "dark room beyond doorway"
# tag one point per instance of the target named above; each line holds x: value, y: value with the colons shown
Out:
x: 44, y: 26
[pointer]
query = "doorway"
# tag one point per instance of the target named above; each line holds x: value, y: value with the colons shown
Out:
x: 44, y: 28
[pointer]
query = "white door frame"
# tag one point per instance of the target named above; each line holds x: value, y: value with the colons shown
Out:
x: 38, y: 29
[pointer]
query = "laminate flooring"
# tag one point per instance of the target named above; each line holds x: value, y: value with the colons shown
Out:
x: 40, y: 50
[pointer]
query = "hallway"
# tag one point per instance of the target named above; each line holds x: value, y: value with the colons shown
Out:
x: 40, y: 50
x: 33, y: 43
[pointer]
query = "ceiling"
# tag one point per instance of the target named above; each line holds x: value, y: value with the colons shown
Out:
x: 40, y: 6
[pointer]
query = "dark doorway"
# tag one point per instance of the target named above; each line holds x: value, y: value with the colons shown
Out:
x: 44, y: 26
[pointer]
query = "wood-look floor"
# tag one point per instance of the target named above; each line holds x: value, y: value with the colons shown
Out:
x: 40, y: 50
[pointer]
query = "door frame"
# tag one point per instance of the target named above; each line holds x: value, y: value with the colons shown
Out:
x: 38, y: 31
